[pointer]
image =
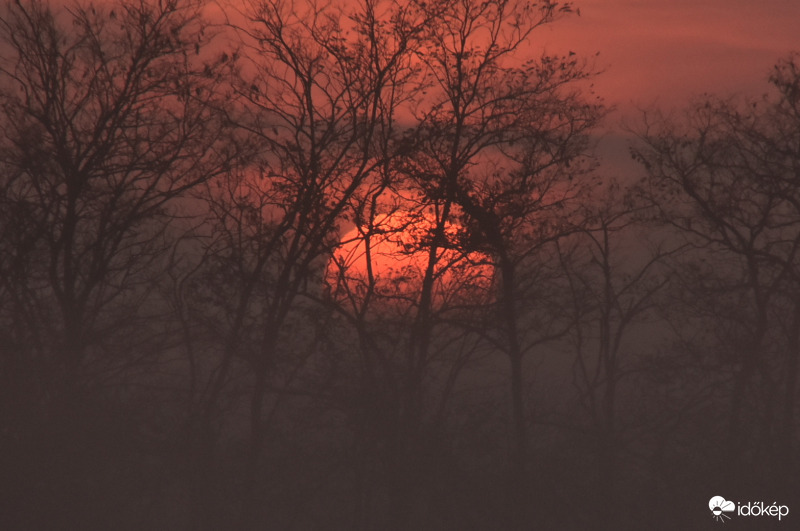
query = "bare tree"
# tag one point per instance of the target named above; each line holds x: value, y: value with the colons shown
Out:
x: 105, y: 123
x: 724, y: 176
x: 316, y: 90
x: 502, y: 135
x: 377, y: 283
x: 616, y: 275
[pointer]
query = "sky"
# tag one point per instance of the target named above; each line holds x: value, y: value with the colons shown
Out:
x: 664, y: 51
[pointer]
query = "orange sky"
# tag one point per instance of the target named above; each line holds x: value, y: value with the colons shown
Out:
x: 663, y: 51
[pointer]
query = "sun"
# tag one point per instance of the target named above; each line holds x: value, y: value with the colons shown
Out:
x: 389, y: 260
x: 719, y: 506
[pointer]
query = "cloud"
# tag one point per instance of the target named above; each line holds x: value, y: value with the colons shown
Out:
x: 722, y: 504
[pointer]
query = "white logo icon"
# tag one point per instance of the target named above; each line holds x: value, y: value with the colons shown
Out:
x: 719, y: 506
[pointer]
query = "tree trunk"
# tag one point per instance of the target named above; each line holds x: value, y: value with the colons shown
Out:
x: 786, y: 461
x: 518, y: 488
x: 253, y: 460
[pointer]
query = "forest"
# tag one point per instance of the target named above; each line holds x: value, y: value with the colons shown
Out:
x: 300, y: 265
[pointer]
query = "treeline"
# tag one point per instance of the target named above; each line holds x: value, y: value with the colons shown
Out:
x: 357, y: 266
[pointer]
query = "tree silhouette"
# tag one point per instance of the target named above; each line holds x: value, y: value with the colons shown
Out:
x: 617, y: 274
x: 316, y: 89
x: 724, y: 177
x: 354, y: 265
x: 376, y: 289
x: 497, y: 140
x: 105, y: 124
